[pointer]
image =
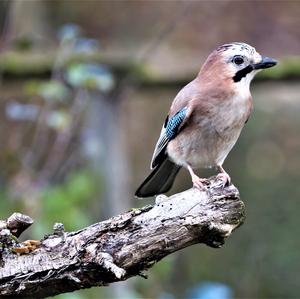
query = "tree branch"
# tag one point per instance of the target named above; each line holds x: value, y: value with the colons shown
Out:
x: 121, y: 247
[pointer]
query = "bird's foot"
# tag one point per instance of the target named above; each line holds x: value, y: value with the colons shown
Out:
x: 224, y: 178
x: 199, y: 183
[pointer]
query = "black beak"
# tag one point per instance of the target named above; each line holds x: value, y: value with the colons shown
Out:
x: 265, y: 63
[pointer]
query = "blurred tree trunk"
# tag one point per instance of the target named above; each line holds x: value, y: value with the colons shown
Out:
x: 103, y: 130
x: 28, y: 19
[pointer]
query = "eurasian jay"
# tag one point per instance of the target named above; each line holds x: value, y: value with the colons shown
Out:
x: 206, y: 118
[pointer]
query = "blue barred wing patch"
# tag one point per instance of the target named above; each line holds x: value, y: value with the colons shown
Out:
x: 168, y: 132
x: 174, y: 123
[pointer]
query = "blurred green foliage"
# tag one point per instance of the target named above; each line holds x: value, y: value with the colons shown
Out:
x: 90, y: 76
x: 67, y: 201
x: 52, y: 90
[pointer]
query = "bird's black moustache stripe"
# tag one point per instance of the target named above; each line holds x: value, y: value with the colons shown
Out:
x: 242, y: 73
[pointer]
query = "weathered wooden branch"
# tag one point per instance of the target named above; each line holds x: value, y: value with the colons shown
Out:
x: 121, y: 247
x: 16, y: 223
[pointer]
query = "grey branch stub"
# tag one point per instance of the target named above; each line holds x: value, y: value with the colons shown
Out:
x: 120, y: 247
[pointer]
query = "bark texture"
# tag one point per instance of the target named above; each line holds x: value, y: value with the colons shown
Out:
x: 121, y: 247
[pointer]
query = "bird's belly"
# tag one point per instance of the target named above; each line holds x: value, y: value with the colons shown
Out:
x: 204, y: 145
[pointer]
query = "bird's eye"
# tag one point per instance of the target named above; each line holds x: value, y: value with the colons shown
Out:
x: 238, y: 59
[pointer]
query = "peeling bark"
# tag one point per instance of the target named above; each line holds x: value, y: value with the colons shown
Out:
x: 123, y: 246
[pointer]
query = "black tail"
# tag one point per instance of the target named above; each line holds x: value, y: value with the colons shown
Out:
x: 160, y: 180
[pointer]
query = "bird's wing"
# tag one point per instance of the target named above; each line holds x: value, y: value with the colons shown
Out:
x: 180, y: 111
x: 168, y: 132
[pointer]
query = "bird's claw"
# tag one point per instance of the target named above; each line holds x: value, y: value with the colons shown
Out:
x: 200, y: 183
x: 224, y: 178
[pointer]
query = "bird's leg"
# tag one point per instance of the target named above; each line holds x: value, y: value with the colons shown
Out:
x: 224, y: 176
x: 199, y: 183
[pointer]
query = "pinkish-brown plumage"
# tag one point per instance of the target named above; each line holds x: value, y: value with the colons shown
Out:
x: 215, y: 106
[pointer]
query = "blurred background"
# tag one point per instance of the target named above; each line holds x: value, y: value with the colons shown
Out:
x: 85, y: 87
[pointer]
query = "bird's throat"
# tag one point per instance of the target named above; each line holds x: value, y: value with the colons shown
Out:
x: 242, y: 73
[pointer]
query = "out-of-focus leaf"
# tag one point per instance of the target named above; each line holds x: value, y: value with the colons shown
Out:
x: 59, y: 120
x: 50, y: 91
x: 91, y: 76
x: 21, y: 112
x: 86, y: 45
x: 32, y: 87
x: 68, y: 32
x: 53, y: 91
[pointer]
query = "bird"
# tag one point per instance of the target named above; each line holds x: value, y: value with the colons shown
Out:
x: 206, y: 118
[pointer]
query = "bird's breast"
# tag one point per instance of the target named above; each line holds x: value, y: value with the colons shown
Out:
x: 210, y: 133
x: 231, y: 115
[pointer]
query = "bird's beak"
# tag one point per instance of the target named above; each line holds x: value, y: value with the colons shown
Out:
x: 265, y: 63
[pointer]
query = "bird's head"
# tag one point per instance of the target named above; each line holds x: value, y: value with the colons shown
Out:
x: 237, y: 63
